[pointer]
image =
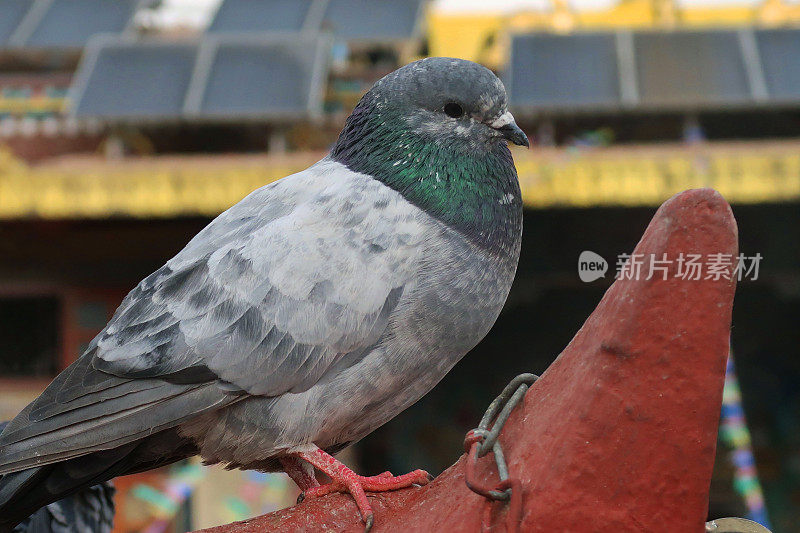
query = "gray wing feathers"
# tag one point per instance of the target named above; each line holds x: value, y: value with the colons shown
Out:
x: 270, y: 309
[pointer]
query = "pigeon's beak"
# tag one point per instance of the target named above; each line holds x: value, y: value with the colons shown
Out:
x: 508, y: 128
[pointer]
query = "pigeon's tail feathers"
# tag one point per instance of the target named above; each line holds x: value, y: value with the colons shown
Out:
x: 23, y: 494
x: 69, y: 420
x: 69, y: 438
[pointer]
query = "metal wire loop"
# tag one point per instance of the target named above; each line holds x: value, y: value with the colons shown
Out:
x: 482, y: 439
x: 504, y: 403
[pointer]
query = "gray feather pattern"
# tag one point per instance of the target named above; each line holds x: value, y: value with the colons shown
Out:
x: 267, y: 310
x: 268, y: 297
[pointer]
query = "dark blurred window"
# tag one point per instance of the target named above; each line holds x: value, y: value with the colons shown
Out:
x: 29, y: 336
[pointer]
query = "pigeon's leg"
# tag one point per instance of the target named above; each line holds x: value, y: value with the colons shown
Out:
x: 301, y: 472
x: 345, y: 480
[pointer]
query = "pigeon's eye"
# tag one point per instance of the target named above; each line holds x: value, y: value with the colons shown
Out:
x: 453, y: 110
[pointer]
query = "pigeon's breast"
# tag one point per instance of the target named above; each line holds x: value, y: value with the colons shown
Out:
x: 450, y: 307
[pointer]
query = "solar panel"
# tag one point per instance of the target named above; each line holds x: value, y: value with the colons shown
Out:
x: 558, y: 71
x: 11, y: 14
x: 260, y: 16
x: 144, y: 80
x: 780, y: 58
x: 372, y: 20
x: 265, y: 78
x: 690, y: 68
x: 70, y: 23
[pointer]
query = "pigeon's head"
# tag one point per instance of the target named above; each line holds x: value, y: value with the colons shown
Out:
x: 452, y: 98
x: 437, y: 131
x: 441, y: 99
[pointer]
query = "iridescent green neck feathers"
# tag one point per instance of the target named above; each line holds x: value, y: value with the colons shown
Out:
x: 468, y: 184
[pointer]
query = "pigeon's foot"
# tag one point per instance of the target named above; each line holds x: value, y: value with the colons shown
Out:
x: 381, y: 482
x: 345, y: 480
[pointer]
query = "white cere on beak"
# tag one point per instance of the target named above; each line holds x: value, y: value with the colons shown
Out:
x: 503, y: 120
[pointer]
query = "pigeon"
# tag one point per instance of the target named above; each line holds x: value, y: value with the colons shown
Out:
x: 90, y: 510
x: 305, y: 316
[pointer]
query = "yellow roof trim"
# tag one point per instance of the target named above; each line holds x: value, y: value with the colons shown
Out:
x: 748, y: 174
x: 36, y: 104
x: 204, y: 186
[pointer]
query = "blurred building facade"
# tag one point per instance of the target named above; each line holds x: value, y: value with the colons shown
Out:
x: 121, y: 136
